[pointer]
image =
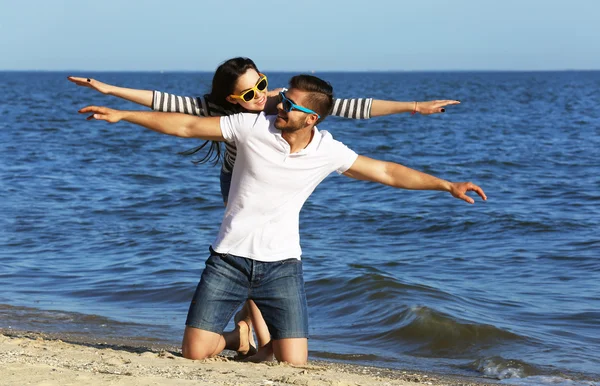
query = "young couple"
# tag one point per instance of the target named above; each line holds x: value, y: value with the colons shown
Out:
x: 279, y: 160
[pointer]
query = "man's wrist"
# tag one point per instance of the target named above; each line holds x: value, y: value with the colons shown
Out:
x: 446, y: 186
x: 125, y: 115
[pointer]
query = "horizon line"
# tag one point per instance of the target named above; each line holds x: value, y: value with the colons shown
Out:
x: 309, y: 71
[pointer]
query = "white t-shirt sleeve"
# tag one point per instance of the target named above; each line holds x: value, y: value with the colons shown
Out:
x: 236, y: 127
x: 344, y: 156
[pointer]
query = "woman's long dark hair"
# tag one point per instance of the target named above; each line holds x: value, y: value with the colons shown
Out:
x: 223, y: 84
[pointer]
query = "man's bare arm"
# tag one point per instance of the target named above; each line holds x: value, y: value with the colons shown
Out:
x: 176, y: 124
x: 399, y: 176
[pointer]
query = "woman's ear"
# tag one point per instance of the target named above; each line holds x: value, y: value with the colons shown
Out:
x: 231, y: 100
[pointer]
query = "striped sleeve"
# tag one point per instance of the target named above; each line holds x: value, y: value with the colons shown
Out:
x: 170, y: 103
x: 356, y: 108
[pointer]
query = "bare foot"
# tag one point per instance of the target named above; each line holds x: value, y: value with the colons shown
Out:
x: 245, y: 349
x: 244, y: 316
x: 264, y: 354
x: 237, y: 340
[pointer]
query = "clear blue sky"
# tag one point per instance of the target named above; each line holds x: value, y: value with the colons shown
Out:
x: 301, y: 35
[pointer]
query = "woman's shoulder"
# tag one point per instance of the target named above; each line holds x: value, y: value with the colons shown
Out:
x: 217, y: 108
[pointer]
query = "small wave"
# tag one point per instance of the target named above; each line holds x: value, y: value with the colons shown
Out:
x: 368, y: 286
x: 74, y: 324
x: 175, y: 293
x: 516, y: 372
x: 433, y: 333
x: 346, y: 357
x: 417, y: 330
x: 539, y: 380
x: 501, y: 368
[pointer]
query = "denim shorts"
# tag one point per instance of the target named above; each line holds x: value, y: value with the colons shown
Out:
x: 225, y: 179
x: 277, y: 288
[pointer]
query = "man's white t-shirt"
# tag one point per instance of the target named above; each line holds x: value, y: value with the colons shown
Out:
x: 269, y: 186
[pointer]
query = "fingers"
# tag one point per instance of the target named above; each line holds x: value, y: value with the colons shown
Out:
x: 86, y: 82
x: 466, y: 198
x: 449, y: 102
x: 436, y: 106
x: 101, y: 113
x: 99, y: 117
x: 479, y: 191
x: 77, y: 81
x: 92, y: 109
x: 95, y: 110
x: 463, y: 187
x: 440, y: 104
x: 444, y: 102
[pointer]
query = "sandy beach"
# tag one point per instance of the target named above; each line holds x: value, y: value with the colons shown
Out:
x: 31, y: 358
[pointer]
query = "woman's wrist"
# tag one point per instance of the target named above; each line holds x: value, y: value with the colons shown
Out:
x: 110, y: 90
x: 415, y: 108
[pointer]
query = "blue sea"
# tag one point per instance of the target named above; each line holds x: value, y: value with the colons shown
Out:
x: 104, y: 229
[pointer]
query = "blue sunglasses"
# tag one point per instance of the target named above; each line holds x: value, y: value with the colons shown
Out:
x: 288, y: 106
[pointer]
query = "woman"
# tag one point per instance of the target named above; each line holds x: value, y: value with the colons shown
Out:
x: 238, y: 86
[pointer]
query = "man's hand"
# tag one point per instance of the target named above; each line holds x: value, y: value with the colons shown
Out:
x: 434, y: 107
x: 459, y: 190
x: 102, y: 114
x: 91, y: 83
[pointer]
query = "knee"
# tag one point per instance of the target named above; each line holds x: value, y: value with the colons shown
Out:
x: 199, y: 344
x: 293, y: 351
x: 195, y: 352
x: 296, y: 361
x: 293, y: 358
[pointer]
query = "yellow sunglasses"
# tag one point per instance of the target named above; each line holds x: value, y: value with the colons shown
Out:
x: 248, y: 95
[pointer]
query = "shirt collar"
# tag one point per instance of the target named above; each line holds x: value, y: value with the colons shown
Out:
x: 312, y: 145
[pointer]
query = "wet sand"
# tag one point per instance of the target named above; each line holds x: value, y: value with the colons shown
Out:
x: 48, y: 359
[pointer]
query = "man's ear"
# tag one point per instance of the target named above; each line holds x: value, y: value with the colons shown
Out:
x: 311, y: 119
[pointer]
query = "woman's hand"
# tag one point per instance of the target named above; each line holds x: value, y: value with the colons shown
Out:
x: 102, y: 88
x: 433, y: 107
x: 274, y: 93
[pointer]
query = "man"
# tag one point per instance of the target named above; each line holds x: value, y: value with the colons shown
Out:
x: 280, y: 161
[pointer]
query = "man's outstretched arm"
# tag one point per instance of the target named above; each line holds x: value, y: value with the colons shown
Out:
x: 398, y: 176
x: 179, y: 125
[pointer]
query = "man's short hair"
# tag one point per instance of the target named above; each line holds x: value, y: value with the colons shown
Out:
x: 320, y: 93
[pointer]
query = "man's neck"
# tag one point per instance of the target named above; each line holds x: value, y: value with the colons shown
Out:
x: 299, y: 139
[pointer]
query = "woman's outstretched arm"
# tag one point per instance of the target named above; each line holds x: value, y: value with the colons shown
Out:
x: 365, y: 108
x: 380, y: 107
x: 156, y: 100
x: 141, y: 97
